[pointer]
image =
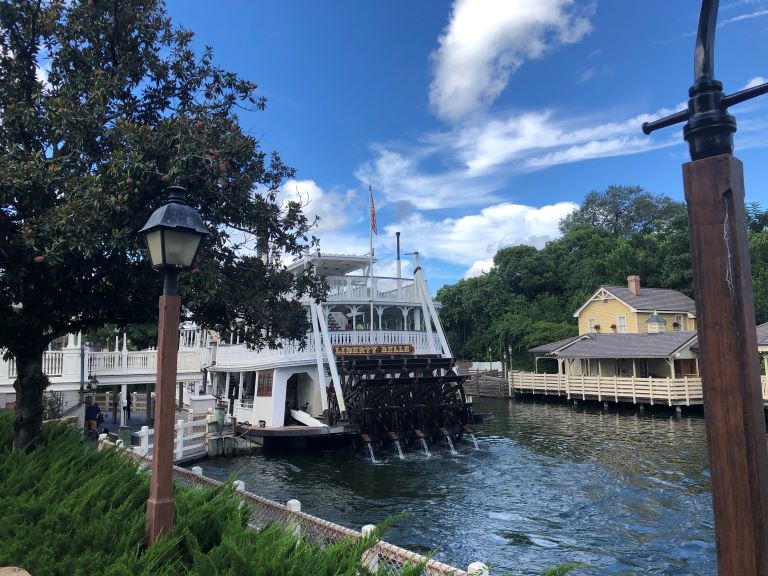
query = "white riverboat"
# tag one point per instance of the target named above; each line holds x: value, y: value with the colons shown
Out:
x: 375, y: 368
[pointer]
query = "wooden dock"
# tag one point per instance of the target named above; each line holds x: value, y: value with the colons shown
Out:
x: 486, y: 385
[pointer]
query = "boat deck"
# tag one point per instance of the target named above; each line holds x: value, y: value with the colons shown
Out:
x: 295, y: 431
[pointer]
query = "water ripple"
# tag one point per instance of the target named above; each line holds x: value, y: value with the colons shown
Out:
x: 622, y: 492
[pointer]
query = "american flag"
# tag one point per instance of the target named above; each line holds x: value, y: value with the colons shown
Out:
x: 373, y: 213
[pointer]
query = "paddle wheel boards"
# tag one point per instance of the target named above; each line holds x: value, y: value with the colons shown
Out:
x: 404, y: 398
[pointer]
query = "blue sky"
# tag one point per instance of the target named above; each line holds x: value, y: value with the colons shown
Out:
x: 478, y: 123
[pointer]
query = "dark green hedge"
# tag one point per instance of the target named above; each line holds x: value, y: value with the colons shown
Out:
x: 66, y: 509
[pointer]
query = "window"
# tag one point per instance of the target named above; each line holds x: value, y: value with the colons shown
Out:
x: 622, y: 324
x: 679, y: 322
x: 264, y: 387
x: 592, y: 323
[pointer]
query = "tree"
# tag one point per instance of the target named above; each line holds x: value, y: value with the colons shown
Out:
x: 622, y: 210
x: 123, y: 108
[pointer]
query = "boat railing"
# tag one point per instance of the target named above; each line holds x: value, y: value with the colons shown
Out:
x: 365, y: 288
x: 238, y: 353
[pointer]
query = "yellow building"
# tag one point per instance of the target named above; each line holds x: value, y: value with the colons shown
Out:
x: 631, y: 309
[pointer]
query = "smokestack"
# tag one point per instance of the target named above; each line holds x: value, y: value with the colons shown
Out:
x: 633, y: 284
x: 398, y: 254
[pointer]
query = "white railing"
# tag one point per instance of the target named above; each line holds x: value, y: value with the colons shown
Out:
x: 236, y: 354
x: 53, y: 365
x: 190, y: 439
x: 364, y: 288
x: 671, y: 391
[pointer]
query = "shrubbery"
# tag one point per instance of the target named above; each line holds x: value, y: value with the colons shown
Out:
x: 67, y: 509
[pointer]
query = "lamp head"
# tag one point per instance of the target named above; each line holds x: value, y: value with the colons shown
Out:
x: 174, y: 233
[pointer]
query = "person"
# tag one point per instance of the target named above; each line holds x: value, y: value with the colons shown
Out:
x: 92, y: 414
x: 349, y: 324
x: 128, y: 407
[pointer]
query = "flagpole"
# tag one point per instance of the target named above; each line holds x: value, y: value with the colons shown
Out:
x: 370, y: 254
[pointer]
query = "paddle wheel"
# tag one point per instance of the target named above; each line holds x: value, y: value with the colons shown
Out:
x: 404, y: 398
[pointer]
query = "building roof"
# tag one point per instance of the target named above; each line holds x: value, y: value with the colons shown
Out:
x: 652, y: 299
x: 762, y: 335
x: 661, y: 345
x: 553, y: 346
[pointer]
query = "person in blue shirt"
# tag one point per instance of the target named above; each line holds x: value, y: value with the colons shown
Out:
x: 92, y: 414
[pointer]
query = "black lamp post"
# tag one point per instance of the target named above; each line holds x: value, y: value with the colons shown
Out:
x: 730, y: 369
x: 173, y: 233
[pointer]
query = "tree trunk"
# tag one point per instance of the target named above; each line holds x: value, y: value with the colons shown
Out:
x: 30, y: 384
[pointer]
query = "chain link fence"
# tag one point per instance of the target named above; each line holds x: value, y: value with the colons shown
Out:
x: 388, y: 558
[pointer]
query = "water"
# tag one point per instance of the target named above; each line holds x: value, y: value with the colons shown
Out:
x: 450, y: 444
x: 624, y: 492
x: 370, y: 453
x: 399, y: 450
x: 425, y: 448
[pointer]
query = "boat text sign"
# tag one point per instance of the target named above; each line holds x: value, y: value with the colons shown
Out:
x: 369, y: 349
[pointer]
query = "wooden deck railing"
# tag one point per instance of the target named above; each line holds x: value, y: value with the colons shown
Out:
x: 684, y: 391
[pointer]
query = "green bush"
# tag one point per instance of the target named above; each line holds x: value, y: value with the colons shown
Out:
x: 70, y: 510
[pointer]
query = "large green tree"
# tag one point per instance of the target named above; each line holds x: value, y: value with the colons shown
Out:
x: 102, y: 104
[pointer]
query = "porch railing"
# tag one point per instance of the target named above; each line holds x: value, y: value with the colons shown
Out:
x: 670, y: 391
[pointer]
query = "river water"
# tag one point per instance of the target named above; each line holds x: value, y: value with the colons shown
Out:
x: 621, y: 491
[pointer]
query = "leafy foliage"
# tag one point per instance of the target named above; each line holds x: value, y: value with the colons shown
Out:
x: 68, y: 509
x: 126, y: 108
x: 529, y: 296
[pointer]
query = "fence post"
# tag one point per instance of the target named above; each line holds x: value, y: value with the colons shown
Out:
x: 370, y: 557
x: 478, y: 569
x: 294, y: 505
x: 197, y: 470
x: 144, y: 440
x: 178, y: 452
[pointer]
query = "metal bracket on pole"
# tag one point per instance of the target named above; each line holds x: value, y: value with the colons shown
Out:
x: 709, y: 128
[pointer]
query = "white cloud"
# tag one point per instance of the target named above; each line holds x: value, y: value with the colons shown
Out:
x: 469, y: 164
x: 479, y: 268
x: 474, y: 239
x: 743, y: 17
x: 756, y: 81
x: 587, y: 75
x: 485, y: 42
x: 335, y: 209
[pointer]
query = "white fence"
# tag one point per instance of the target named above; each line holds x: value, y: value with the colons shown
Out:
x: 670, y: 391
x: 64, y: 366
x: 190, y: 439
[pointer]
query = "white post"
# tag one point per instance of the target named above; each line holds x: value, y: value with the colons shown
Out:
x: 197, y: 470
x: 144, y: 440
x: 370, y: 557
x: 239, y: 486
x: 332, y: 365
x: 318, y: 356
x: 294, y: 506
x: 178, y: 451
x: 478, y: 569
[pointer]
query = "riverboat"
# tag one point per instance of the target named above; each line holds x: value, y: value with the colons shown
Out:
x: 374, y: 369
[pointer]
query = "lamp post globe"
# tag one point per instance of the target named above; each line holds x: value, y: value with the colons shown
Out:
x: 174, y: 233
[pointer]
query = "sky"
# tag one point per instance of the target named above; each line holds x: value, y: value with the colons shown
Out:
x: 478, y: 124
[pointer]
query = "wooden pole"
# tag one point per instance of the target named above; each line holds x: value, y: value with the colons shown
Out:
x: 730, y: 370
x: 160, y: 507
